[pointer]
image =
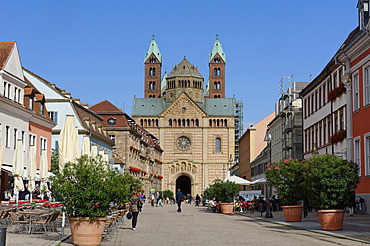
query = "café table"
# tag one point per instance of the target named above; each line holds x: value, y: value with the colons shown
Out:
x: 32, y: 215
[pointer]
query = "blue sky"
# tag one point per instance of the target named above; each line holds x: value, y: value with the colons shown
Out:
x: 95, y: 49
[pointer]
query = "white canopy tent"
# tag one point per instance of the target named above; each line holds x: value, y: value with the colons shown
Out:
x: 238, y: 180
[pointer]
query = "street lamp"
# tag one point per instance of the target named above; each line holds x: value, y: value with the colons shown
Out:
x: 268, y: 139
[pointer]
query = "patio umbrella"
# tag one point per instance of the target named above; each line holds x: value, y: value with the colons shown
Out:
x: 31, y: 170
x: 238, y: 180
x: 86, y: 146
x: 18, y: 168
x: 259, y: 181
x: 68, y: 142
x: 94, y: 151
x: 43, y: 171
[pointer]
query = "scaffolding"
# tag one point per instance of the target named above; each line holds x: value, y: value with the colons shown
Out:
x: 238, y: 125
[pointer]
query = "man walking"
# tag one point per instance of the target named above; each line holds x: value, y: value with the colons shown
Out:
x: 179, y: 198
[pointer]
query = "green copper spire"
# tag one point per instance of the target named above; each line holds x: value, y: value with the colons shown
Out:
x: 163, y: 82
x: 153, y: 48
x: 217, y: 48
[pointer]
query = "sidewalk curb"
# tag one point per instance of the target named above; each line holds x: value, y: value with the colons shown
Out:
x: 301, y: 228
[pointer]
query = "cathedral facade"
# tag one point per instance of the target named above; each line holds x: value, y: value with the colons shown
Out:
x: 193, y: 121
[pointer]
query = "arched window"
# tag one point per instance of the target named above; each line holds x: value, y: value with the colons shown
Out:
x: 225, y: 122
x: 170, y: 122
x: 215, y: 72
x: 215, y: 85
x: 187, y: 122
x: 218, y: 71
x: 183, y: 122
x: 218, y: 85
x: 141, y: 122
x: 218, y: 123
x: 218, y: 145
x: 215, y: 96
x: 178, y: 122
x: 196, y: 122
x: 149, y: 122
x: 154, y: 71
x: 210, y: 122
x: 156, y: 122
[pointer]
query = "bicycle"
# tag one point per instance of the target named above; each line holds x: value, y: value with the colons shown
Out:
x: 360, y: 206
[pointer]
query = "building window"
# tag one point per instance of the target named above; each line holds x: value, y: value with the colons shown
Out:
x: 367, y: 154
x: 357, y: 154
x: 54, y: 116
x: 15, y: 137
x: 367, y: 85
x: 42, y: 144
x: 324, y: 94
x: 7, y: 136
x: 218, y: 144
x: 356, y: 93
x: 111, y: 121
x: 31, y: 103
x: 113, y: 138
x: 32, y: 140
x: 41, y: 108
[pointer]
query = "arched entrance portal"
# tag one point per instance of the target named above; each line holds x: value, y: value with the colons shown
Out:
x: 183, y: 182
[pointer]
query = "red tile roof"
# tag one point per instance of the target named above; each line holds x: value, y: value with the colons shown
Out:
x: 105, y: 106
x: 5, y: 49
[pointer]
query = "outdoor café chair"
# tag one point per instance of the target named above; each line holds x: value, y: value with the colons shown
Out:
x: 20, y: 223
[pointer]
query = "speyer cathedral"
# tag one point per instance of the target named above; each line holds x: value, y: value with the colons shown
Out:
x: 196, y: 125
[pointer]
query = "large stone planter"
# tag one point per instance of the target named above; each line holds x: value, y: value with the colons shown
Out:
x: 86, y: 232
x: 227, y: 208
x: 293, y: 213
x: 331, y: 220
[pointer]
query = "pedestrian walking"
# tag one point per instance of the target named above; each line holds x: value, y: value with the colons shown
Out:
x: 179, y: 198
x: 135, y: 208
x: 152, y: 198
x: 197, y: 200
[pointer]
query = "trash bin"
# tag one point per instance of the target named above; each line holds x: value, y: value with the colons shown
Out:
x: 2, y: 236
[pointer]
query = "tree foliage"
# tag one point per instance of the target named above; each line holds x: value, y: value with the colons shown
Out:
x: 222, y: 191
x: 288, y: 177
x: 167, y: 193
x: 332, y: 181
x: 88, y: 186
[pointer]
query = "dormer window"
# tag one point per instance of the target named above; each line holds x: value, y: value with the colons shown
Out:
x: 363, y: 13
x: 112, y: 121
x: 31, y: 103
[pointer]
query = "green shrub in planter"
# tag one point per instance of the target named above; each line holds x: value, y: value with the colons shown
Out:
x: 332, y: 181
x: 289, y: 179
x: 88, y: 186
x: 167, y: 193
x: 223, y: 191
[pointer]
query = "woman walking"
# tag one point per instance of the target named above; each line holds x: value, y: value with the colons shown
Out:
x: 135, y: 207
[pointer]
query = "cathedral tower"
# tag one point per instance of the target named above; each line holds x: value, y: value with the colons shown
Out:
x: 217, y: 63
x: 153, y: 65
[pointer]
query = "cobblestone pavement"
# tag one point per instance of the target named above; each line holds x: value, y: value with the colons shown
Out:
x: 199, y: 226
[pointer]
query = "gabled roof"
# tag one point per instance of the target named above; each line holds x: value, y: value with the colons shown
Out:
x: 185, y: 96
x: 153, y: 49
x: 184, y: 69
x: 105, y: 106
x: 217, y: 49
x: 5, y: 50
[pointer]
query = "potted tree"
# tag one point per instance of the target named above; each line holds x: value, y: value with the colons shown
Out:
x: 87, y: 189
x: 332, y: 182
x: 225, y: 193
x: 288, y: 177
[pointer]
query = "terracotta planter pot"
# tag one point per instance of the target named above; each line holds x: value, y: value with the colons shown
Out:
x: 331, y: 220
x: 293, y: 213
x: 87, y: 232
x: 227, y: 208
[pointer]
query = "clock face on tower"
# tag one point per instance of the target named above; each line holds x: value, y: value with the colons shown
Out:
x: 183, y: 143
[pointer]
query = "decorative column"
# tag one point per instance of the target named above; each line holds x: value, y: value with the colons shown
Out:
x: 349, y: 109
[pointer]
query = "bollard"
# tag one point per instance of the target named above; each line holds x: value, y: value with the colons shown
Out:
x: 2, y: 236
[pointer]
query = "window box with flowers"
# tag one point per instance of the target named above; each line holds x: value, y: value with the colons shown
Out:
x: 339, y: 136
x: 336, y: 92
x: 288, y: 177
